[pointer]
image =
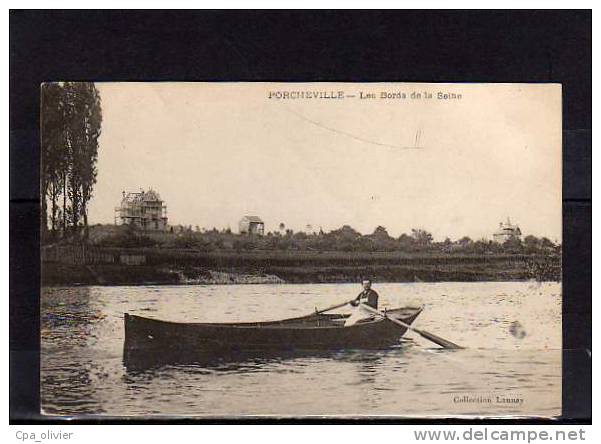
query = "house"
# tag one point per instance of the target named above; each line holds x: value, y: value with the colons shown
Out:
x: 251, y: 225
x: 507, y: 231
x: 145, y: 210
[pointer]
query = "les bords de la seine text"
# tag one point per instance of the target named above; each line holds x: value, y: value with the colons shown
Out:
x: 308, y: 94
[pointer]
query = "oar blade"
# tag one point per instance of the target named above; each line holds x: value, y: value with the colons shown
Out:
x: 444, y: 343
x: 424, y: 334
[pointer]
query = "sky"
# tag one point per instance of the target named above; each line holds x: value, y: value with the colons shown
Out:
x: 218, y: 151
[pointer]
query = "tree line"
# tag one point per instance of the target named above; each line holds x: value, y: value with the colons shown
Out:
x: 344, y: 239
x: 70, y: 125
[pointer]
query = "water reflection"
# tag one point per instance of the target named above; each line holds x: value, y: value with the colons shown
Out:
x: 156, y: 363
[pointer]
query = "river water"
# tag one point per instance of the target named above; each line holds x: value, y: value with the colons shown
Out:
x: 511, y: 364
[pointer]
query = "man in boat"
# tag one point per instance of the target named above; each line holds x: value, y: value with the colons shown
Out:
x: 367, y: 296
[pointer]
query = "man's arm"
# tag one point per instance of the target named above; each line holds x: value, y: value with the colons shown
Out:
x: 357, y: 300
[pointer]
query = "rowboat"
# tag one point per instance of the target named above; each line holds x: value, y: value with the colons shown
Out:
x: 316, y: 331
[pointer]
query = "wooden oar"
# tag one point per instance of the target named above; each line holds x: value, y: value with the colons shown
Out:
x: 333, y: 307
x: 424, y: 334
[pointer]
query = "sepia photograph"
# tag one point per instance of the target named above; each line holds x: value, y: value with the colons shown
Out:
x: 344, y: 250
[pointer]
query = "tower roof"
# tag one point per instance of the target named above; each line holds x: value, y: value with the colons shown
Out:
x: 253, y: 219
x: 151, y: 196
x: 142, y: 196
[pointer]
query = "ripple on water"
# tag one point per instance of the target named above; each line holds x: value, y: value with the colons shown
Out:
x: 82, y: 339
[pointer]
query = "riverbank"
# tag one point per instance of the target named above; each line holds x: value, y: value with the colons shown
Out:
x: 162, y: 267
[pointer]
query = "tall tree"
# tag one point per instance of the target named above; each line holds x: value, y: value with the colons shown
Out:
x: 91, y: 119
x: 54, y: 156
x: 70, y: 127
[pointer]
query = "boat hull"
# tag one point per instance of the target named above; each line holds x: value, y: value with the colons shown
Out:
x: 145, y: 337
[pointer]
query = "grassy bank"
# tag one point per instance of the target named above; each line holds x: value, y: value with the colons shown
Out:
x: 165, y: 266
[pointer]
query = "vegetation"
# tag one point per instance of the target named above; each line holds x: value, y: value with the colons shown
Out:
x: 344, y: 239
x: 342, y: 255
x: 70, y: 126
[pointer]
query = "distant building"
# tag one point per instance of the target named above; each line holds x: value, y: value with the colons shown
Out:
x: 145, y: 210
x: 507, y: 231
x: 251, y: 225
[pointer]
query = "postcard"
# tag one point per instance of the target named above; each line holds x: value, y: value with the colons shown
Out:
x: 298, y: 249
